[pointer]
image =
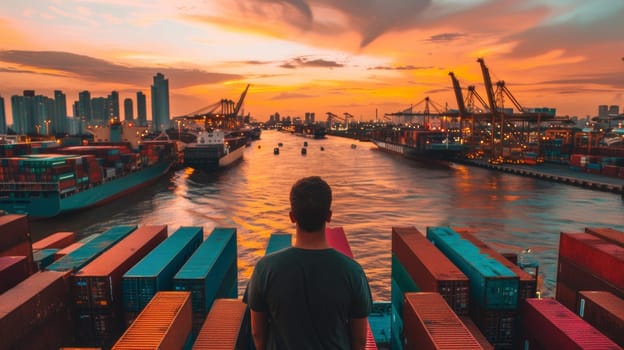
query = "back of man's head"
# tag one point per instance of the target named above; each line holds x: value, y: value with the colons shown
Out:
x: 310, y: 203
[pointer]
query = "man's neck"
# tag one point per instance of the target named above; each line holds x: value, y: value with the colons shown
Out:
x: 311, y: 240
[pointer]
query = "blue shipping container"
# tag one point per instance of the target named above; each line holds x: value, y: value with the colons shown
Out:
x: 44, y: 257
x: 80, y: 257
x: 155, y: 272
x: 278, y: 241
x: 492, y: 285
x: 204, y: 272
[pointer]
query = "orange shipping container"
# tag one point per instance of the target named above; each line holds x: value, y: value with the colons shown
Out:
x: 165, y: 323
x: 57, y: 240
x: 226, y: 327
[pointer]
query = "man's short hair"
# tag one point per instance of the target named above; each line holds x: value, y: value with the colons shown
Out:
x: 310, y: 202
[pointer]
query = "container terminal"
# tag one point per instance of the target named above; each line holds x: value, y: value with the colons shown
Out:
x: 142, y: 287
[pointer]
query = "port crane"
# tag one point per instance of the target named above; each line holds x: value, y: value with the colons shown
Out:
x: 331, y: 118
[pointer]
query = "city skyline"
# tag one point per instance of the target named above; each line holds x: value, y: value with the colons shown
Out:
x: 317, y: 56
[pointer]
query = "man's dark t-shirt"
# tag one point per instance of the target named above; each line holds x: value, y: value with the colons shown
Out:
x: 309, y: 297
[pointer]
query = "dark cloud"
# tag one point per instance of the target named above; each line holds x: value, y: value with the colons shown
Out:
x: 302, y: 62
x: 446, y: 37
x: 288, y: 65
x: 26, y: 71
x: 94, y: 69
x: 408, y: 67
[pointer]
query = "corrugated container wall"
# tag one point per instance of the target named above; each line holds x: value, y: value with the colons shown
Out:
x: 58, y: 240
x: 278, y: 241
x: 547, y: 324
x: 606, y: 233
x: 205, y: 271
x: 165, y: 323
x: 80, y: 257
x: 431, y: 324
x: 226, y: 327
x: 13, y: 270
x: 14, y: 229
x: 97, y: 290
x: 604, y: 311
x: 156, y: 270
x: 492, y: 285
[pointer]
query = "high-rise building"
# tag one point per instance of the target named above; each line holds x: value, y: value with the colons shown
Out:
x: 3, y: 121
x: 59, y: 124
x: 128, y: 110
x: 603, y: 110
x: 141, y: 109
x: 113, y: 105
x: 160, y: 103
x: 84, y: 106
x: 99, y: 110
x: 23, y: 108
x: 614, y: 110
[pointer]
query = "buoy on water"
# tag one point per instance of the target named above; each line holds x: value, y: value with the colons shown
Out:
x: 304, y: 151
x: 276, y: 150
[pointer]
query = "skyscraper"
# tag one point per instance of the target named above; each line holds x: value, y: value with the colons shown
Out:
x: 141, y: 109
x: 59, y: 124
x: 3, y: 122
x: 113, y: 105
x: 84, y: 106
x: 128, y: 110
x: 160, y: 103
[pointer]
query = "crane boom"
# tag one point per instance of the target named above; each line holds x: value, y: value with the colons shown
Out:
x: 489, y: 89
x: 458, y: 95
x: 240, y: 101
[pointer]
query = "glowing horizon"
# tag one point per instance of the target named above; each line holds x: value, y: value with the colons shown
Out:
x: 316, y: 55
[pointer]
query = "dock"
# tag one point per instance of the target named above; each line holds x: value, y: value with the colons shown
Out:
x: 556, y: 173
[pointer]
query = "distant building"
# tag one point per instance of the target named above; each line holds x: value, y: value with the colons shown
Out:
x: 614, y: 110
x: 128, y: 110
x: 99, y: 110
x: 141, y: 109
x: 59, y: 124
x: 3, y: 121
x: 113, y: 105
x: 84, y: 106
x: 603, y: 110
x: 160, y: 103
x: 309, y: 118
x: 33, y: 114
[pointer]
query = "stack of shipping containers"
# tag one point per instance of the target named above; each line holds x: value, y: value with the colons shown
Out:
x: 210, y: 273
x: 226, y: 327
x: 70, y: 248
x: 493, y: 286
x: 165, y: 323
x: 155, y: 272
x: 97, y: 290
x: 15, y: 238
x: 417, y: 266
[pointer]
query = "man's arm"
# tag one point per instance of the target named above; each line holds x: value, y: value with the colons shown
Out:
x: 259, y: 329
x: 359, y: 329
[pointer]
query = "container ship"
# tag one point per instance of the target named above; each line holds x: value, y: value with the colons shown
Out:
x: 51, y: 180
x: 214, y: 150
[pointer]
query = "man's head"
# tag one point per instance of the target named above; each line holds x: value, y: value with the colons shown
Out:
x: 310, y: 203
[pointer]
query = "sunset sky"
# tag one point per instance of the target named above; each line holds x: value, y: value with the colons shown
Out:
x: 355, y: 56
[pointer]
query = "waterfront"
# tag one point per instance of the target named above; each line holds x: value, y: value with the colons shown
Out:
x: 373, y: 191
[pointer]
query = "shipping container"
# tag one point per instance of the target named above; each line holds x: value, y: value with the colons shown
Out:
x: 14, y: 229
x: 527, y: 285
x: 70, y: 248
x: 156, y: 270
x: 278, y: 241
x: 53, y: 333
x: 31, y: 304
x: 498, y: 326
x: 97, y: 290
x: 13, y: 270
x: 579, y: 278
x: 226, y: 327
x: 165, y: 323
x: 606, y: 233
x: 44, y: 257
x: 23, y: 248
x: 337, y: 239
x: 547, y: 324
x: 604, y: 311
x: 80, y: 257
x: 430, y: 323
x: 566, y: 295
x: 205, y: 270
x: 57, y: 240
x: 428, y: 268
x: 492, y: 284
x: 601, y: 257
x: 476, y: 332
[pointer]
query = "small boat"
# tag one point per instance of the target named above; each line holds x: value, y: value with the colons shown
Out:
x: 304, y: 150
x: 213, y: 150
x: 305, y: 143
x: 322, y: 148
x: 276, y: 150
x: 353, y: 145
x: 280, y: 144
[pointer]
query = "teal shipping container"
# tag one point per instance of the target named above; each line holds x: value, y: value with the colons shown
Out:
x: 80, y: 257
x: 493, y: 286
x: 156, y: 270
x: 204, y: 272
x: 278, y: 241
x: 44, y: 257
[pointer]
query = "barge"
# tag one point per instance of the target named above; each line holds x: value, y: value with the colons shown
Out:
x: 214, y: 150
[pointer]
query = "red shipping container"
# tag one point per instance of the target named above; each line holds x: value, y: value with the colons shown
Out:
x: 430, y: 323
x: 13, y: 270
x: 566, y: 295
x: 164, y: 323
x: 57, y: 240
x: 578, y: 278
x: 227, y: 327
x: 547, y: 324
x: 430, y: 269
x: 609, y: 234
x: 22, y: 249
x: 604, y: 311
x: 70, y: 248
x: 476, y: 332
x: 527, y: 286
x: 14, y: 229
x: 597, y: 255
x: 51, y: 335
x: 498, y: 326
x: 31, y: 304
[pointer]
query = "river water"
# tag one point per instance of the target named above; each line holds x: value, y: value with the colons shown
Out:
x: 373, y: 192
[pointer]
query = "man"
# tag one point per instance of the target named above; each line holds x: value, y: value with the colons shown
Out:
x: 309, y: 296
